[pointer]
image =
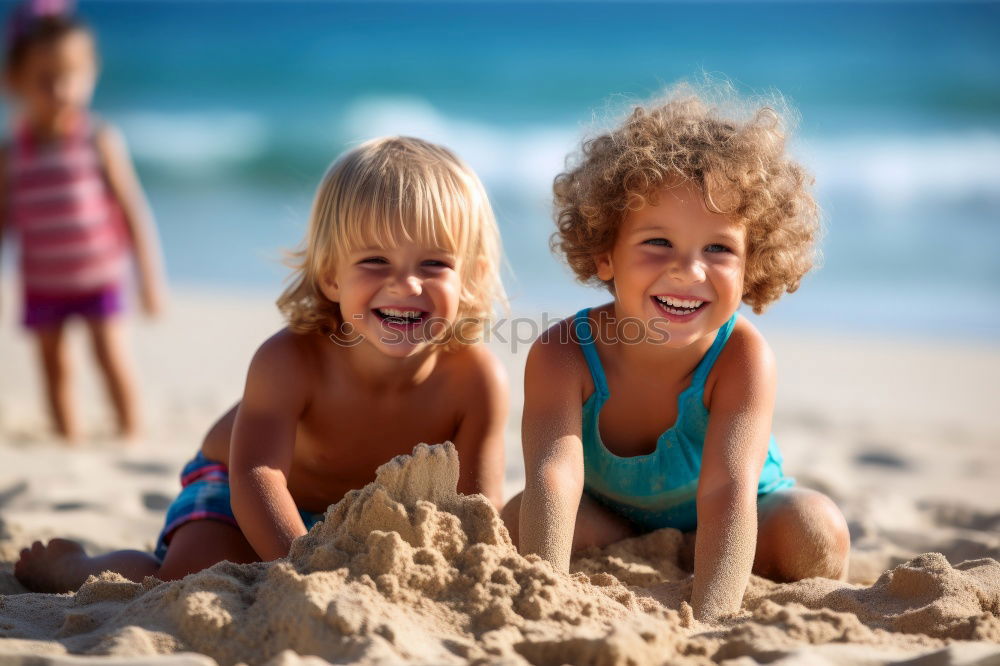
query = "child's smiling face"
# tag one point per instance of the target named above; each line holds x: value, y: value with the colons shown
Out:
x: 675, y: 261
x: 57, y: 79
x: 399, y: 298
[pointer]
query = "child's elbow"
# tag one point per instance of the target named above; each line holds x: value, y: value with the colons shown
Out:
x: 247, y: 483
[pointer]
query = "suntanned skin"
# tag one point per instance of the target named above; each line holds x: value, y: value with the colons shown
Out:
x: 672, y: 247
x: 319, y: 416
x: 553, y: 517
x: 344, y: 469
x: 287, y: 431
x: 308, y: 430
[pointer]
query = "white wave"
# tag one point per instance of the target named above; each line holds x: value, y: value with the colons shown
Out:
x: 202, y: 141
x: 897, y: 172
x: 890, y: 172
x: 526, y: 157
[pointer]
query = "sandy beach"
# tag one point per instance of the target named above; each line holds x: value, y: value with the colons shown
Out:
x: 902, y: 434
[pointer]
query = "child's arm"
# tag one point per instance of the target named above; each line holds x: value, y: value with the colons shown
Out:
x: 553, y: 449
x: 742, y: 403
x: 480, y: 436
x: 3, y: 200
x: 263, y: 441
x: 127, y: 190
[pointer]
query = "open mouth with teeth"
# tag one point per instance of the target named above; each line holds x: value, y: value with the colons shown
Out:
x: 679, y: 307
x: 399, y: 317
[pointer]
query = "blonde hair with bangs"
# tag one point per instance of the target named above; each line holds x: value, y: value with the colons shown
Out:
x: 385, y: 193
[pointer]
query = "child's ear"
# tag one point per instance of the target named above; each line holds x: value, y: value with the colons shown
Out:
x: 330, y: 287
x: 605, y: 270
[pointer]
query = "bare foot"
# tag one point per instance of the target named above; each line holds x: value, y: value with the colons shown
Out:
x: 129, y: 439
x: 71, y: 438
x: 61, y: 566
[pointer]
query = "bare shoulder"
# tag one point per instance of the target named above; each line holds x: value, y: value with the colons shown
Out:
x: 746, y: 360
x: 477, y: 369
x: 746, y: 343
x: 558, y: 343
x: 556, y: 358
x: 286, y: 345
x: 287, y: 355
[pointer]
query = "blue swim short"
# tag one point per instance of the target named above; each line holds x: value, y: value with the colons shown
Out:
x: 205, y: 496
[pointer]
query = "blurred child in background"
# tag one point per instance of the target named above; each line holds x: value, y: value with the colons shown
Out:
x: 70, y: 192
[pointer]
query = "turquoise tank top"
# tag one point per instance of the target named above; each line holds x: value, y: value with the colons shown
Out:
x: 657, y: 489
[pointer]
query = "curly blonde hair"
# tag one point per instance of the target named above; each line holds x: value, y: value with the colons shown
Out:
x: 732, y: 157
x: 387, y: 192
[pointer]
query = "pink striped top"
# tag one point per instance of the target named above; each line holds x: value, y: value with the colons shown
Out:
x: 71, y: 228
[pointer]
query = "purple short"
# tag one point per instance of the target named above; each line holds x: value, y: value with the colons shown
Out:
x: 48, y: 311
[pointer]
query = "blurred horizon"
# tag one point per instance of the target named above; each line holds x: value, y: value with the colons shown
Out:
x: 233, y: 110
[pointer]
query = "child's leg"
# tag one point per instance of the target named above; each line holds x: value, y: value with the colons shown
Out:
x: 800, y: 534
x: 596, y: 525
x: 111, y: 351
x: 200, y: 544
x: 56, y: 368
x: 63, y: 566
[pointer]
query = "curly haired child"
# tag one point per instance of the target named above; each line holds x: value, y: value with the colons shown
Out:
x: 392, y: 291
x: 655, y: 410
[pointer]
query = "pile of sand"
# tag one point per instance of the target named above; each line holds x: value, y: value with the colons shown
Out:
x: 406, y: 569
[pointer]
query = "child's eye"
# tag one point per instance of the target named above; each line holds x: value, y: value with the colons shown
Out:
x: 374, y: 260
x: 659, y: 242
x: 717, y: 247
x: 437, y: 263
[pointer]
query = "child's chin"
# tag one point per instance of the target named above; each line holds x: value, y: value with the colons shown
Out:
x: 401, y: 349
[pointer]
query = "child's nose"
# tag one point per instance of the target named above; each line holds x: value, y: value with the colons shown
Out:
x: 687, y: 269
x: 61, y: 90
x: 406, y: 284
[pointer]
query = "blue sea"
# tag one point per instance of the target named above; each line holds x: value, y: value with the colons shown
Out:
x: 233, y: 110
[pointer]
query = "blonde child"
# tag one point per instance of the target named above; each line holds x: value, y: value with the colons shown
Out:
x: 67, y: 186
x: 655, y: 410
x: 398, y: 277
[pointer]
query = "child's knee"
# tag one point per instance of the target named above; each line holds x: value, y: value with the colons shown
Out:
x: 829, y: 530
x: 811, y: 538
x: 597, y: 526
x: 510, y: 514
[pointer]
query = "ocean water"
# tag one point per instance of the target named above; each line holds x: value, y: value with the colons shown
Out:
x: 234, y: 109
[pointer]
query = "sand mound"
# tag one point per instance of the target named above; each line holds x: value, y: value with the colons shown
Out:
x: 406, y: 569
